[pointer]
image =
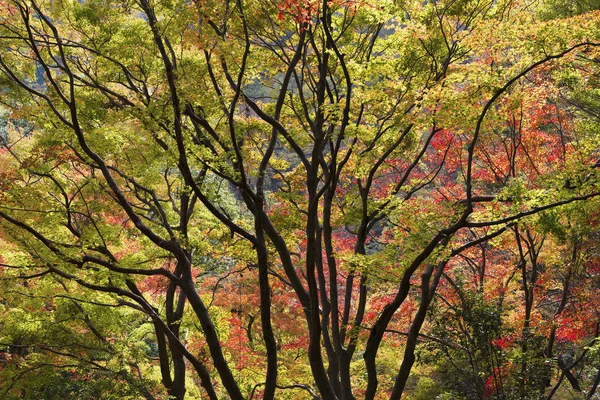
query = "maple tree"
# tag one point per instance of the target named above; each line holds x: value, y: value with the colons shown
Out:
x: 282, y: 199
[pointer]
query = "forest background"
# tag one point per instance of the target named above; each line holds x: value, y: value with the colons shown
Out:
x: 299, y: 199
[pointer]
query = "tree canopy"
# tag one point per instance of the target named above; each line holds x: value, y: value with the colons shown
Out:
x: 330, y: 199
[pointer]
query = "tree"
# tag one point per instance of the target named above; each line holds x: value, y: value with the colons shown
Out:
x: 285, y: 183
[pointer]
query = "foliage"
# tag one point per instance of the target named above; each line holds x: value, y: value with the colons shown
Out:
x: 299, y: 199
